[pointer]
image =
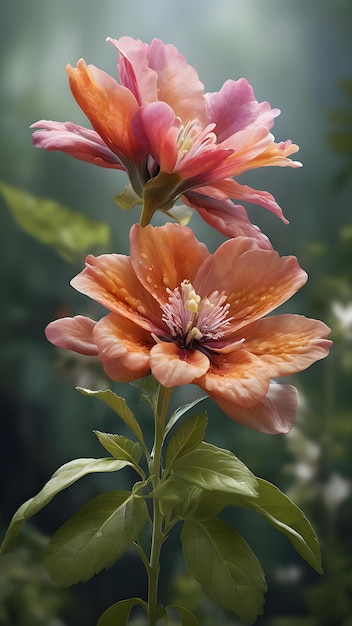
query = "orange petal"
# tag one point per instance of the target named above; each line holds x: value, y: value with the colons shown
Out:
x: 172, y: 366
x: 165, y: 256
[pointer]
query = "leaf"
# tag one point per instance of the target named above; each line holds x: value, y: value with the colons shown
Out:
x: 187, y: 437
x: 215, y: 469
x: 71, y: 233
x: 187, y: 618
x: 118, y: 614
x: 120, y: 447
x: 65, y: 476
x: 288, y: 519
x: 120, y: 407
x: 149, y: 390
x: 181, y: 411
x: 179, y: 496
x: 95, y: 537
x: 226, y: 568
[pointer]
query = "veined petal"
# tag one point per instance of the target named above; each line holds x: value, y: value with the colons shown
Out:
x: 73, y: 333
x: 110, y: 280
x: 226, y: 217
x: 108, y: 106
x: 123, y: 348
x: 173, y: 366
x: 256, y: 284
x: 234, y: 108
x: 238, y: 377
x: 77, y: 141
x: 162, y: 257
x: 274, y: 414
x: 156, y: 127
x: 287, y: 343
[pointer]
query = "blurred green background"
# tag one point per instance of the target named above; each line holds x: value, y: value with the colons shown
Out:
x: 298, y: 56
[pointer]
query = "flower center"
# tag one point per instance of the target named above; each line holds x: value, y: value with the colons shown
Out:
x: 191, y: 318
x: 191, y: 140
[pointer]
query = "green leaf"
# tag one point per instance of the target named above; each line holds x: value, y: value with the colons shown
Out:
x: 288, y: 519
x: 120, y: 407
x: 179, y: 496
x: 149, y: 390
x: 120, y: 447
x: 215, y: 469
x: 95, y: 537
x: 226, y: 568
x: 187, y: 437
x: 187, y: 617
x: 181, y: 411
x: 71, y: 233
x: 118, y: 614
x: 65, y: 476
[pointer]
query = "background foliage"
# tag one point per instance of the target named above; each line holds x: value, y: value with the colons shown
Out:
x: 297, y: 55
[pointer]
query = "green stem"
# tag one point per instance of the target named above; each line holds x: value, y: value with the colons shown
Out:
x: 158, y: 536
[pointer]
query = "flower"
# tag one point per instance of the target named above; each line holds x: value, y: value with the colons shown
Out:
x: 192, y: 317
x: 173, y: 140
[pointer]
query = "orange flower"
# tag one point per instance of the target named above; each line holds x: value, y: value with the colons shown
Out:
x: 173, y: 140
x: 188, y: 316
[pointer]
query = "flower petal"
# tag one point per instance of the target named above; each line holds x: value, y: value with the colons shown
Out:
x: 162, y: 257
x: 110, y: 280
x: 173, y: 366
x: 229, y: 219
x: 157, y: 128
x: 77, y: 141
x: 234, y: 108
x: 287, y: 343
x: 123, y: 348
x: 274, y: 414
x: 73, y: 333
x: 133, y: 69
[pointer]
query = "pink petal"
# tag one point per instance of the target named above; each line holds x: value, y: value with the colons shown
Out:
x: 287, y: 343
x: 173, y: 366
x: 73, y: 333
x: 229, y: 219
x: 156, y: 128
x: 274, y: 414
x: 133, y: 69
x: 77, y: 141
x: 232, y: 189
x: 234, y: 108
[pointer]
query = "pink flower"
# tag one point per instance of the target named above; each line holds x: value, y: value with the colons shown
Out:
x: 188, y: 316
x: 173, y: 140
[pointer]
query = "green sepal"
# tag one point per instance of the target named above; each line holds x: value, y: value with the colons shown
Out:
x: 180, y: 412
x: 65, y: 476
x: 288, y: 518
x: 215, y: 469
x: 186, y: 438
x: 122, y: 448
x: 71, y: 233
x: 128, y: 198
x: 187, y: 618
x: 95, y: 537
x: 119, y: 612
x: 225, y: 567
x: 119, y: 406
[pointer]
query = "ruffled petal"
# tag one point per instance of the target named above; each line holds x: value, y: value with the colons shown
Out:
x: 110, y: 280
x: 287, y: 343
x: 274, y: 414
x: 123, y: 348
x: 73, y: 333
x: 234, y: 108
x: 133, y: 69
x: 162, y: 257
x: 173, y: 366
x: 77, y: 141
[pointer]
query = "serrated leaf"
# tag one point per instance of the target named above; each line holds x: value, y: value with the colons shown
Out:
x: 95, y: 537
x: 215, y: 469
x: 119, y: 612
x: 278, y: 509
x: 186, y: 438
x: 179, y: 496
x: 226, y: 568
x: 120, y: 447
x: 181, y: 411
x: 187, y: 618
x: 71, y: 233
x: 65, y: 476
x: 120, y: 407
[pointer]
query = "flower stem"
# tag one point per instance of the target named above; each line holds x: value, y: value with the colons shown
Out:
x: 158, y: 536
